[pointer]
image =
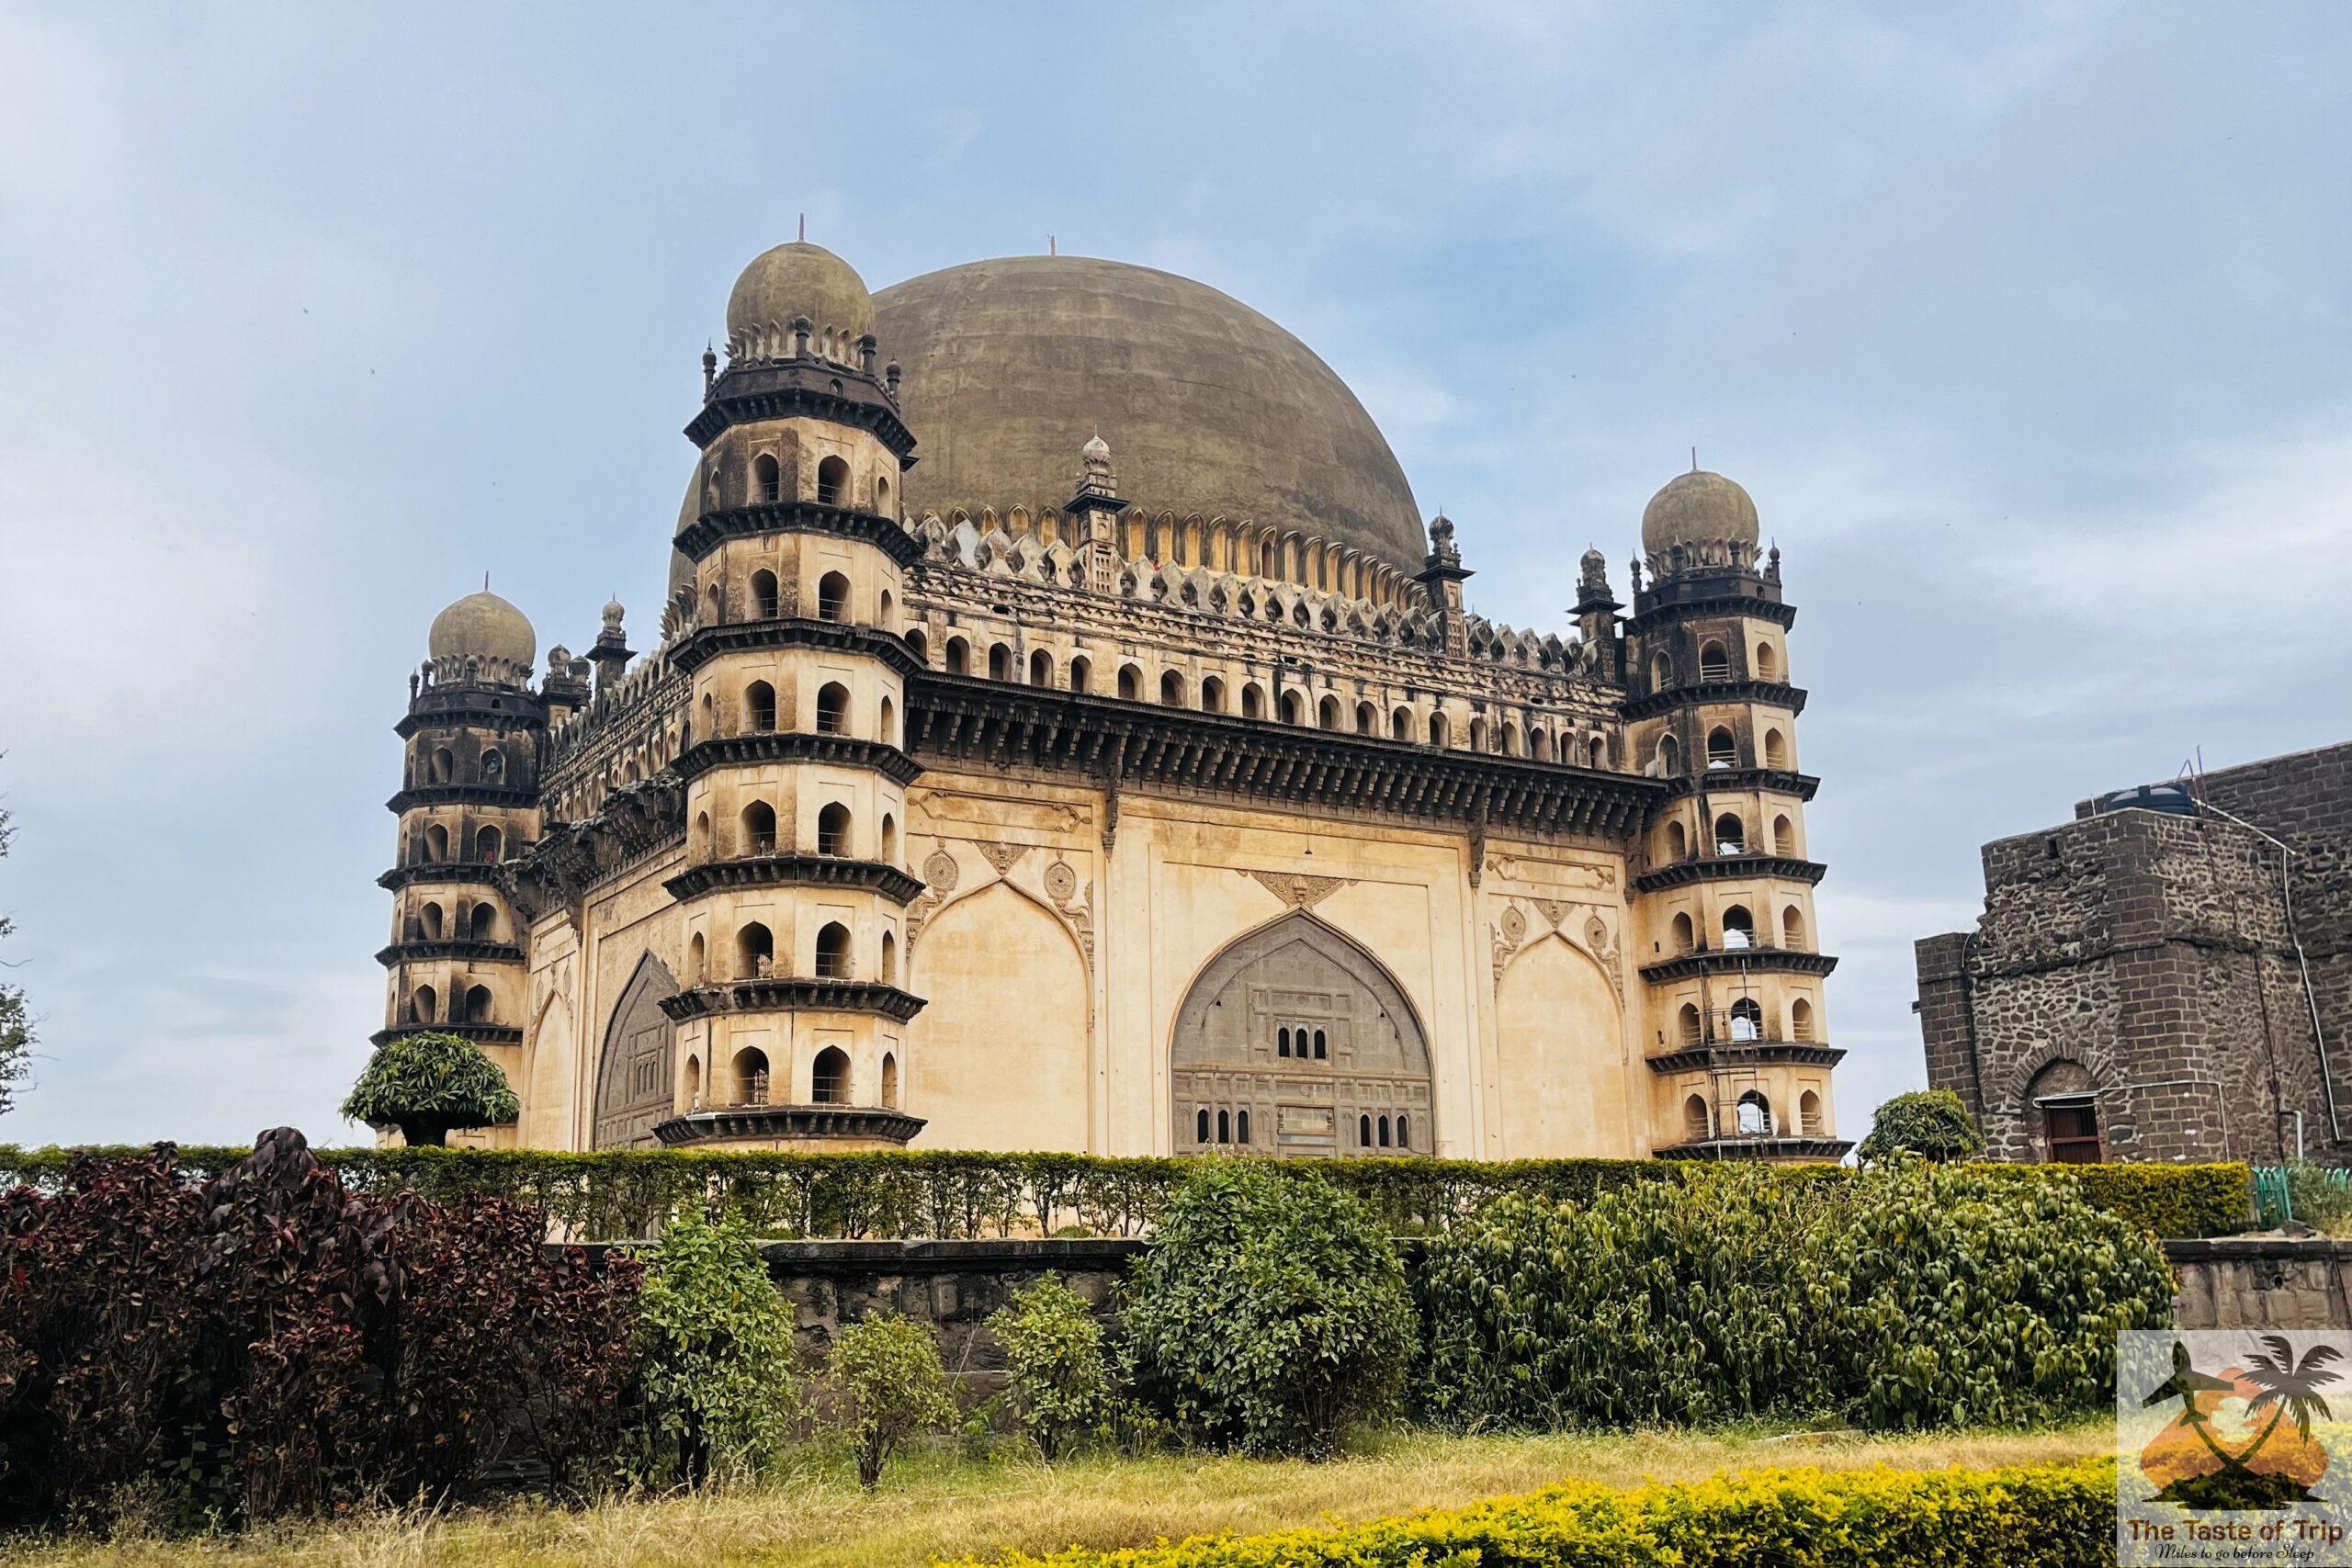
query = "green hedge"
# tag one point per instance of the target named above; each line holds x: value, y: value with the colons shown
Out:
x: 2023, y: 1516
x: 617, y: 1194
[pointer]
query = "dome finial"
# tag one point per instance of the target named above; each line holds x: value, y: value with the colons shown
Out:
x: 804, y: 228
x: 1694, y: 459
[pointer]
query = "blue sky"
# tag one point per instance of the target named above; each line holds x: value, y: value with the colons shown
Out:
x: 2028, y: 327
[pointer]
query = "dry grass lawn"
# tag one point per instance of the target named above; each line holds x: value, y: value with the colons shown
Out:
x: 938, y: 1506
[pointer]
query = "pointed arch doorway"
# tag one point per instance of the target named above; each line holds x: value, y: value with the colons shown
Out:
x: 1294, y: 1041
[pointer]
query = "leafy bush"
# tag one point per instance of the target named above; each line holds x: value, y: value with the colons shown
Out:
x: 1058, y: 1380
x: 267, y: 1344
x: 1652, y: 1303
x: 1914, y: 1296
x: 428, y: 1085
x: 889, y: 1386
x: 716, y: 1340
x: 2022, y: 1516
x: 1931, y: 1123
x: 1268, y: 1311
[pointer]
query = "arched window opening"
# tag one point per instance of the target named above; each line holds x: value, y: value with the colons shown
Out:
x: 1539, y: 744
x: 833, y: 708
x: 436, y: 842
x: 693, y: 1083
x: 1596, y: 752
x: 1364, y: 1132
x: 1328, y: 717
x: 425, y: 1006
x: 754, y: 952
x: 1754, y: 1115
x: 1661, y: 672
x: 1041, y: 669
x: 1081, y: 673
x: 445, y: 765
x: 1793, y: 929
x: 1212, y: 695
x: 767, y: 478
x: 709, y: 714
x: 485, y: 923
x: 1768, y: 662
x: 882, y: 496
x: 1224, y: 1127
x: 710, y: 605
x: 1382, y: 1125
x: 1241, y: 1126
x: 886, y: 729
x: 1404, y: 1132
x: 832, y: 597
x: 699, y: 841
x: 1697, y: 1125
x: 1776, y: 750
x: 882, y: 610
x: 1801, y: 1019
x: 1322, y: 1050
x: 1678, y: 842
x: 1809, y: 1114
x: 751, y: 1076
x: 1130, y: 683
x: 1438, y: 729
x: 1000, y: 663
x: 1685, y: 933
x: 1723, y: 752
x: 766, y: 603
x: 1739, y: 927
x: 829, y: 1077
x: 919, y: 644
x: 1747, y: 1021
x: 1294, y: 707
x: 429, y: 922
x: 889, y: 959
x: 1731, y: 836
x: 833, y: 951
x: 890, y: 1081
x: 1171, y: 689
x: 1669, y: 757
x: 1784, y: 837
x: 698, y: 961
x: 1367, y: 720
x: 478, y: 1005
x: 1715, y: 662
x: 759, y: 828
x: 488, y: 845
x: 959, y: 657
x: 833, y: 482
x: 493, y: 766
x: 1478, y: 735
x: 1201, y: 1126
x: 890, y: 838
x: 833, y: 829
x: 1689, y: 1024
x: 759, y: 707
x: 1253, y: 701
x: 1281, y: 1042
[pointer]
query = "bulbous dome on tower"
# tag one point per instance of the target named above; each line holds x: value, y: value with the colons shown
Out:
x: 797, y: 279
x: 482, y: 625
x: 1699, y: 508
x: 1212, y: 408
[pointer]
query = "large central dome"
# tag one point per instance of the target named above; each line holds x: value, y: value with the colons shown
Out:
x: 1208, y: 407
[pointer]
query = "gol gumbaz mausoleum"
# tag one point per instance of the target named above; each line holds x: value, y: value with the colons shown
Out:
x: 1063, y: 733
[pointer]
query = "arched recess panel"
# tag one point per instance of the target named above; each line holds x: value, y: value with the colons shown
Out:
x: 1367, y: 1054
x: 634, y: 1069
x: 548, y: 1108
x: 1560, y: 1058
x: 998, y: 1059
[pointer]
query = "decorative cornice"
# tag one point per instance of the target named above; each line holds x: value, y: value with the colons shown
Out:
x: 755, y: 391
x: 1701, y: 694
x: 1747, y: 1054
x: 707, y: 643
x: 466, y: 951
x: 782, y: 994
x: 714, y: 527
x: 480, y: 1033
x: 798, y: 871
x: 1769, y: 1149
x: 1733, y: 960
x: 1664, y: 605
x: 798, y: 1121
x: 482, y: 873
x: 1143, y: 745
x: 462, y: 794
x: 799, y: 746
x: 1740, y: 781
x: 571, y: 857
x: 1730, y: 868
x: 474, y: 707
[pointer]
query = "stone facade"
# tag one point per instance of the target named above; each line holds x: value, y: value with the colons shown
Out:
x: 2144, y: 964
x: 1062, y: 820
x: 2262, y: 1282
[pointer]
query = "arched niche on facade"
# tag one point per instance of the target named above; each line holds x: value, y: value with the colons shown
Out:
x: 1298, y: 979
x: 634, y: 1070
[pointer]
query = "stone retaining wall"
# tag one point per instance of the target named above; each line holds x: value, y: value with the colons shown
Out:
x: 2262, y: 1282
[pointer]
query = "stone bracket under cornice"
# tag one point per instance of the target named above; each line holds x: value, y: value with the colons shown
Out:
x: 1739, y: 1054
x: 706, y: 643
x: 461, y: 795
x: 707, y: 532
x: 1729, y: 868
x: 462, y: 950
x: 1145, y: 746
x: 753, y: 393
x: 571, y: 857
x: 799, y: 746
x: 813, y: 1123
x: 480, y: 1033
x: 1734, y: 781
x: 787, y: 994
x: 1759, y: 1148
x: 490, y: 710
x: 1652, y: 610
x: 483, y: 872
x: 1758, y: 959
x: 798, y: 871
x: 1702, y: 692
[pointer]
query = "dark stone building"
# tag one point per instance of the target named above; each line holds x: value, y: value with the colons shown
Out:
x: 2167, y: 977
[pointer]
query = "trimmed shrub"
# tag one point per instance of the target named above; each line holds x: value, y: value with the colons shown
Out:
x: 715, y: 1341
x: 2183, y: 1201
x: 1912, y: 1296
x: 1058, y: 1383
x: 2022, y: 1516
x: 428, y: 1084
x: 1268, y: 1311
x: 267, y: 1344
x: 887, y: 1386
x: 1931, y: 1123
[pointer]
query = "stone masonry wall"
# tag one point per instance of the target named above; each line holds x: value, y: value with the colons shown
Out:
x: 2155, y: 951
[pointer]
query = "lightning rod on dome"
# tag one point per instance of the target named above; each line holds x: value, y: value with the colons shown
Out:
x: 804, y: 228
x: 1694, y: 459
x: 1053, y: 246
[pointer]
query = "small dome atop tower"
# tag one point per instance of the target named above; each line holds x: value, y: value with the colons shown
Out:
x: 1699, y: 508
x: 482, y: 625
x: 792, y: 280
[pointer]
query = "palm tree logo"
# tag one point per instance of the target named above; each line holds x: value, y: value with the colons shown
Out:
x: 2264, y: 1473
